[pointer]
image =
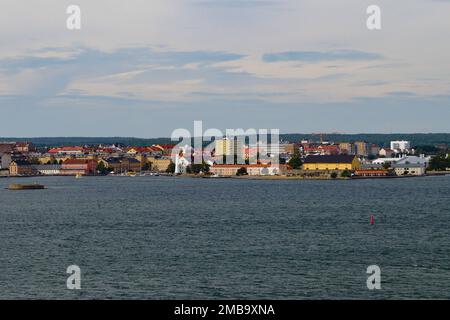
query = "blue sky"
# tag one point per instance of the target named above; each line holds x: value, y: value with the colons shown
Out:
x: 145, y: 68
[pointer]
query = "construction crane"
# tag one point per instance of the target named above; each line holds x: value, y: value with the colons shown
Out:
x: 322, y: 135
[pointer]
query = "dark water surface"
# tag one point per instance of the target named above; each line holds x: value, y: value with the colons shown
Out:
x: 166, y: 237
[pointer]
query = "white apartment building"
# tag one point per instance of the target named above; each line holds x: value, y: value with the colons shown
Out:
x: 400, y: 146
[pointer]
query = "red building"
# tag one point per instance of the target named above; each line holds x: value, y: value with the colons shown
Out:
x: 78, y: 166
x: 67, y: 150
x: 321, y: 149
x: 371, y: 173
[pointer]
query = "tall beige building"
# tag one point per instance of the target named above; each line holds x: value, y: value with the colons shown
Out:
x: 229, y: 147
x: 362, y: 148
x: 347, y: 148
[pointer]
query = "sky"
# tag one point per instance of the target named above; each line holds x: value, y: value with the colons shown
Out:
x: 144, y: 68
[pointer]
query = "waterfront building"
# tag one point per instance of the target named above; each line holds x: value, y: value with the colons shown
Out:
x: 21, y: 168
x: 409, y: 169
x: 331, y: 162
x: 159, y: 164
x: 371, y: 172
x: 78, y: 166
x: 47, y: 169
x: 122, y: 164
x: 227, y: 170
x: 371, y: 166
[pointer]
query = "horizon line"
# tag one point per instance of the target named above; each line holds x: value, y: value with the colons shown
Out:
x: 168, y: 137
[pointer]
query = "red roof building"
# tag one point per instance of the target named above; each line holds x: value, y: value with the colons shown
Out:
x: 371, y: 173
x: 67, y: 150
x: 78, y: 166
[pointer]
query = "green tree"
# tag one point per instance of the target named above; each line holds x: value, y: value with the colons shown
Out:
x: 102, y: 169
x: 34, y: 160
x: 295, y: 162
x: 197, y: 168
x: 334, y: 175
x: 147, y: 166
x: 242, y: 171
x: 171, y: 167
x: 439, y: 162
x: 346, y: 174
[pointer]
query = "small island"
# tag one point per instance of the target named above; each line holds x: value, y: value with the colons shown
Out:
x: 26, y: 187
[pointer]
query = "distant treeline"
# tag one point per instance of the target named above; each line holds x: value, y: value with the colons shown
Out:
x: 417, y: 139
x: 381, y: 139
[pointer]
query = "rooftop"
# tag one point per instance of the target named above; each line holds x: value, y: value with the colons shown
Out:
x: 330, y: 159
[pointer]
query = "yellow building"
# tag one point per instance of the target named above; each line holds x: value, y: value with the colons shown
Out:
x: 159, y: 164
x: 45, y: 159
x: 332, y: 162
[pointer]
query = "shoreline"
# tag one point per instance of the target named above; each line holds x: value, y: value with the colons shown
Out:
x: 275, y: 177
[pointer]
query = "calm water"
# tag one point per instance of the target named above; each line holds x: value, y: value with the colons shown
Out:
x: 165, y: 237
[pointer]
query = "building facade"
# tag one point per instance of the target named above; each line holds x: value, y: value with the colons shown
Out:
x: 400, y: 146
x: 78, y: 167
x: 362, y: 148
x: 122, y: 164
x: 386, y: 152
x: 227, y: 170
x: 371, y: 173
x: 331, y: 162
x: 21, y: 168
x: 347, y: 148
x: 47, y: 169
x: 159, y: 164
x: 229, y: 147
x: 409, y: 169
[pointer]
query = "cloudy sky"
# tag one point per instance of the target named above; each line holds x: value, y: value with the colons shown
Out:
x: 146, y: 67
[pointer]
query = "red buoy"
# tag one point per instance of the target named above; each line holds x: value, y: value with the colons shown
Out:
x: 372, y: 220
